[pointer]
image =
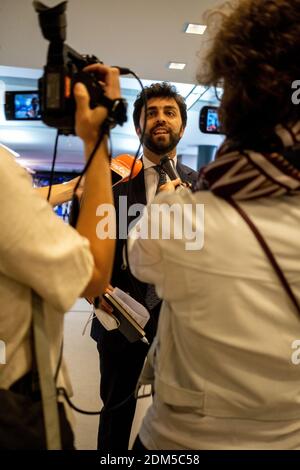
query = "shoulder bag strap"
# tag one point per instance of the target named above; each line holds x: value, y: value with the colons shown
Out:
x: 268, y: 253
x: 47, y: 385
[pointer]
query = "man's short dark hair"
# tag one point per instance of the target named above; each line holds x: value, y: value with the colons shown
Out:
x: 159, y: 90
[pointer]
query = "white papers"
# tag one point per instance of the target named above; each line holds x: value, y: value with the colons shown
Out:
x: 133, y: 308
x: 107, y: 319
x: 139, y: 313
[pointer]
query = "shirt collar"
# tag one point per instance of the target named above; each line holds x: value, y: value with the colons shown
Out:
x: 148, y: 164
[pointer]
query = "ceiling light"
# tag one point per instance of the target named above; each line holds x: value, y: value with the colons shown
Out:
x: 176, y: 65
x: 195, y: 28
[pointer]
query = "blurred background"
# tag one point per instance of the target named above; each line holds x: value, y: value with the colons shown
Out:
x: 143, y: 36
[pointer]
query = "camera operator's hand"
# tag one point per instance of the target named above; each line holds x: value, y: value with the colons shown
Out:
x: 108, y: 78
x: 88, y: 121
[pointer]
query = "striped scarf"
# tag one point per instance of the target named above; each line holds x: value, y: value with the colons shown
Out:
x: 247, y: 174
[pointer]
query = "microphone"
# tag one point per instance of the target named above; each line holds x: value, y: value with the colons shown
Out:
x: 167, y: 165
x: 121, y: 166
x: 121, y: 169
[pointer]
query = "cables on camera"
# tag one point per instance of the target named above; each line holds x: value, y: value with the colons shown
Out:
x: 53, y: 165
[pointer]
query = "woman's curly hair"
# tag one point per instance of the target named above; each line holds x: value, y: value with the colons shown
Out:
x: 255, y: 55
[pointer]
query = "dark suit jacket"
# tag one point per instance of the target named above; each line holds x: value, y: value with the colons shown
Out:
x: 121, y: 276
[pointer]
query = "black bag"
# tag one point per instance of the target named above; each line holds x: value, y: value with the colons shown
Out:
x: 22, y: 424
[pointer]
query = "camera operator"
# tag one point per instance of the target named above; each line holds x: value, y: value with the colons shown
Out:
x: 39, y: 252
x: 226, y: 376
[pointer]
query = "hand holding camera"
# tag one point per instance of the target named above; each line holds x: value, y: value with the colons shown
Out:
x: 88, y: 120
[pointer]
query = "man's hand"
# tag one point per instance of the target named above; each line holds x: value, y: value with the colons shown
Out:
x: 104, y: 305
x: 170, y: 185
x: 60, y: 193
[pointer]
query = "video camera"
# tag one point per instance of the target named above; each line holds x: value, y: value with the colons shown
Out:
x: 63, y: 69
x: 22, y: 106
x: 209, y: 120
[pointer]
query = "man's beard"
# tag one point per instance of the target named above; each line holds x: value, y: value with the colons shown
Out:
x: 163, y: 147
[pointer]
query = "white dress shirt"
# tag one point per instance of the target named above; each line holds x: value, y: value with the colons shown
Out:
x: 151, y: 177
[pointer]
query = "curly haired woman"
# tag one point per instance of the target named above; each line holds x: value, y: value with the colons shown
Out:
x: 227, y: 351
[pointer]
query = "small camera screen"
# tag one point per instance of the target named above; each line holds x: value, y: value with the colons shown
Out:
x: 27, y: 106
x: 212, y: 121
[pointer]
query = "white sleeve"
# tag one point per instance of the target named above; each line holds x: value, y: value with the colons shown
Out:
x: 144, y: 252
x: 36, y: 247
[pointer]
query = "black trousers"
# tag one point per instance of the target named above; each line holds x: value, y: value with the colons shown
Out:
x: 27, y: 385
x: 121, y: 363
x: 26, y: 427
x: 138, y: 446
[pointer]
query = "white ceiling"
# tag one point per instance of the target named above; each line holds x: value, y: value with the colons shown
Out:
x: 144, y: 36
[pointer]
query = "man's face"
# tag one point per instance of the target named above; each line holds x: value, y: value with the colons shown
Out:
x: 164, y: 125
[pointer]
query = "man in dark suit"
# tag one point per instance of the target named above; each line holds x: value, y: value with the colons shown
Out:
x: 121, y: 361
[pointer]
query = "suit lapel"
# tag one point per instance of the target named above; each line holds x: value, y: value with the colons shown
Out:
x: 137, y: 190
x: 182, y: 171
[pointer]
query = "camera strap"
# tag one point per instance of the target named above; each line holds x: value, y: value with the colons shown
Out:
x: 41, y: 352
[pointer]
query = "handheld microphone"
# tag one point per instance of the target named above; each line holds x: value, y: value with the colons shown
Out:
x: 121, y: 166
x: 167, y: 166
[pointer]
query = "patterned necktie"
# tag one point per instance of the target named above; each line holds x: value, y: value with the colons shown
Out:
x: 162, y: 177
